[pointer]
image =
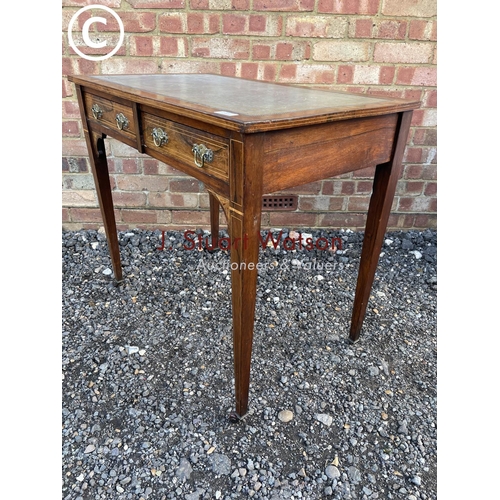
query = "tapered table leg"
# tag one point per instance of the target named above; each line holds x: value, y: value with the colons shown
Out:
x: 384, y: 187
x: 100, y: 171
x: 214, y: 219
x: 99, y: 165
x: 244, y: 225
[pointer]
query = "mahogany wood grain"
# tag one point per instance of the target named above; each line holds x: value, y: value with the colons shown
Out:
x: 188, y: 121
x: 100, y: 171
x: 331, y: 149
x: 245, y: 205
x: 384, y: 187
x: 211, y: 183
x: 110, y: 109
x: 181, y: 140
x: 114, y: 133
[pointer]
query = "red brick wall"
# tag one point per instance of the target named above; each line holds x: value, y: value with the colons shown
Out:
x: 378, y: 47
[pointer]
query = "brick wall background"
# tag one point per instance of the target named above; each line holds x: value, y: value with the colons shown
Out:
x: 377, y: 47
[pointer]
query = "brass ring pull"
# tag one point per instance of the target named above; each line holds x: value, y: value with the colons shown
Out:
x: 202, y: 154
x: 160, y: 137
x: 96, y: 111
x: 121, y: 121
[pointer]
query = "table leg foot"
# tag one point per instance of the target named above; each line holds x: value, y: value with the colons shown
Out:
x: 234, y: 418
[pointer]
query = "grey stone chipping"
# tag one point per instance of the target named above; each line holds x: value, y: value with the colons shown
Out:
x: 148, y: 373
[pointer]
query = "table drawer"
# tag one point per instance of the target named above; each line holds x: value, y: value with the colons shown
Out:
x: 114, y: 115
x: 191, y: 146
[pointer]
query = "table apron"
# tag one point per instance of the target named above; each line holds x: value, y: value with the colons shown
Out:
x: 306, y: 154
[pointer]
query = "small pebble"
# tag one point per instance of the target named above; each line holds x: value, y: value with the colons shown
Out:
x: 221, y: 464
x: 417, y: 480
x: 332, y: 472
x: 131, y: 349
x: 183, y: 472
x: 354, y: 474
x: 285, y: 415
x: 324, y: 419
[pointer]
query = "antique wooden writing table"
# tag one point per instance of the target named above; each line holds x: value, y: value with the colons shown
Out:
x: 242, y: 139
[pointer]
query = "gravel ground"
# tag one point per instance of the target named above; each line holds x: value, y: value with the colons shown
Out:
x: 148, y: 374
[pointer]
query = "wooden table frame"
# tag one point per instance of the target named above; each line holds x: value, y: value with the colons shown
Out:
x: 282, y: 144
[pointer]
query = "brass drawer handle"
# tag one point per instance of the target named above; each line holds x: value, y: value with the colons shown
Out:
x: 160, y: 137
x: 121, y: 121
x: 202, y: 154
x: 97, y: 111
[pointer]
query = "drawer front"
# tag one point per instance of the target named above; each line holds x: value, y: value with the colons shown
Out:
x: 191, y: 146
x: 112, y: 114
